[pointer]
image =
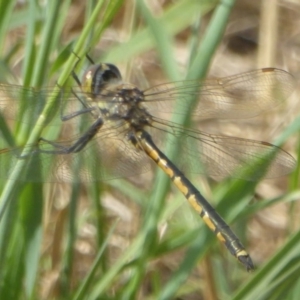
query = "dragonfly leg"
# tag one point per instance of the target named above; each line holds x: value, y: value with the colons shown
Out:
x: 77, y: 146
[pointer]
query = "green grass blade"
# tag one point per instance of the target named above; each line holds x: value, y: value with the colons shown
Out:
x: 142, y: 41
x: 80, y: 294
x: 36, y: 131
x: 211, y: 39
x: 6, y: 8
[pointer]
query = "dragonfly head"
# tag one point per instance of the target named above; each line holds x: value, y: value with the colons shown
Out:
x: 97, y: 77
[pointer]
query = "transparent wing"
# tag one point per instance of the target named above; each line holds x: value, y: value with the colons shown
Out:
x: 25, y: 104
x: 223, y: 156
x: 107, y: 156
x: 240, y: 96
x: 111, y: 155
x: 16, y: 99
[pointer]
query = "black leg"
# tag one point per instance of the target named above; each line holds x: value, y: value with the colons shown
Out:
x: 78, y: 145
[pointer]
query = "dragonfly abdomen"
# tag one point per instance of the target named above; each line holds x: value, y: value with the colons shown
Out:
x: 197, y: 201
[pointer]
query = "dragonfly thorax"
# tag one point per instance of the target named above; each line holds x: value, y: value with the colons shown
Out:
x: 123, y: 103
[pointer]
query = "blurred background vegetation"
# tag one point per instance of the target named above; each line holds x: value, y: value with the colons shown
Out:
x: 140, y: 240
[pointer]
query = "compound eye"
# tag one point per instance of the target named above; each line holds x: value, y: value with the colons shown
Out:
x: 105, y: 74
x: 112, y: 73
x: 97, y: 77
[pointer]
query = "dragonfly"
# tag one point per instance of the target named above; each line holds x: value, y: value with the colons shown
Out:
x: 122, y: 130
